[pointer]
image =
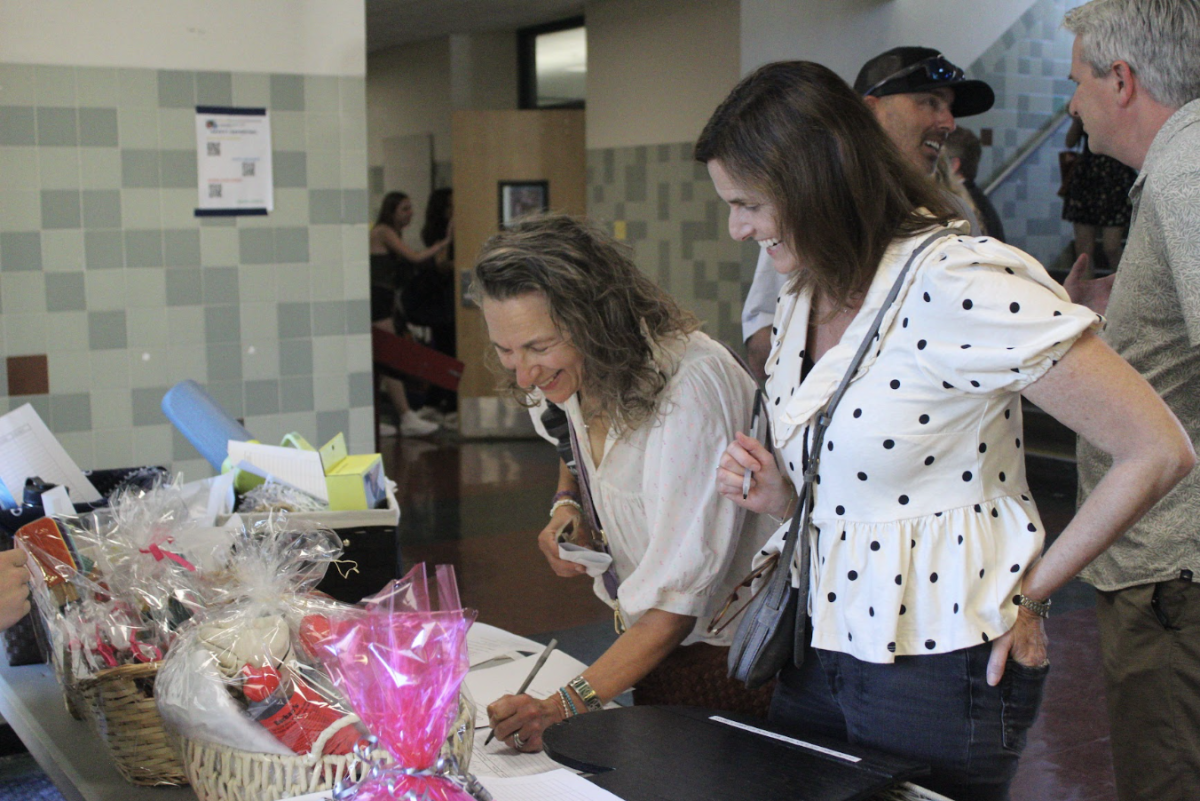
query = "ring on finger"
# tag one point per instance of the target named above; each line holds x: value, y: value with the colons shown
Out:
x: 518, y: 743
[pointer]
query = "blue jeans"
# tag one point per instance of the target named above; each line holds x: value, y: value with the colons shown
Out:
x: 936, y: 709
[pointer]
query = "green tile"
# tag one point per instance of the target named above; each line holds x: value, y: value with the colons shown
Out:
x: 256, y: 246
x: 258, y: 321
x: 287, y: 92
x: 25, y: 326
x: 16, y: 89
x: 107, y: 290
x: 184, y: 287
x: 362, y: 389
x: 214, y: 89
x: 295, y: 357
x: 147, y: 405
x: 324, y: 170
x: 139, y: 88
x: 100, y: 168
x: 70, y: 370
x: 221, y: 285
x: 62, y: 251
x: 256, y: 283
x: 55, y: 85
x: 59, y: 167
x: 140, y: 168
x: 101, y: 208
x: 141, y: 208
x: 251, y: 89
x: 321, y: 94
x: 291, y: 208
x: 176, y: 89
x: 224, y: 362
x: 355, y: 210
x: 17, y: 125
x: 61, y: 209
x: 105, y: 250
x: 106, y: 330
x: 65, y: 292
x: 18, y: 168
x: 57, y: 127
x: 98, y: 127
x: 296, y: 394
x: 179, y: 207
x: 137, y: 128
x: 182, y: 247
x: 354, y: 169
x: 177, y: 129
x: 323, y: 132
x: 20, y: 211
x: 20, y: 251
x: 262, y: 397
x: 222, y: 324
x: 324, y: 206
x: 291, y: 245
x: 71, y: 412
x: 97, y: 86
x: 148, y: 326
x: 179, y: 169
x: 354, y: 96
x: 147, y: 290
x: 295, y: 320
x: 218, y: 247
x: 289, y: 169
x: 144, y: 248
x: 329, y: 318
x: 287, y: 130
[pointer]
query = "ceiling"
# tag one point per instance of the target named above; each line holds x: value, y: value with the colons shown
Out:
x: 397, y: 22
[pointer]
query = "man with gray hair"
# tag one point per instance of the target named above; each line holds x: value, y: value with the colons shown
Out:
x: 1137, y: 66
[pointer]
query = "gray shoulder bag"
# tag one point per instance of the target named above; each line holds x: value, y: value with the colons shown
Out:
x: 773, y: 630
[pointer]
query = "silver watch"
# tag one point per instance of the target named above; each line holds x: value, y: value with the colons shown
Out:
x: 1039, y: 608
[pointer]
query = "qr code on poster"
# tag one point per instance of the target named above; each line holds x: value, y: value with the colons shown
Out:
x: 214, y: 190
x: 247, y: 169
x: 214, y: 148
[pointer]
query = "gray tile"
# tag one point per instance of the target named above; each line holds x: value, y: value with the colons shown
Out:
x: 140, y: 169
x: 362, y: 389
x: 329, y: 318
x: 296, y: 394
x: 295, y: 320
x: 17, y: 126
x: 221, y: 285
x: 214, y: 89
x: 664, y: 201
x: 98, y: 127
x: 291, y: 245
x: 182, y: 450
x: 71, y: 412
x: 61, y: 208
x: 287, y: 92
x: 324, y: 206
x: 104, y: 250
x: 144, y: 248
x: 181, y: 247
x: 185, y: 287
x: 106, y: 331
x: 179, y: 169
x: 57, y: 127
x: 295, y: 357
x: 358, y: 316
x: 355, y: 208
x: 147, y: 406
x: 176, y: 89
x: 330, y: 424
x: 66, y: 292
x: 222, y: 324
x: 101, y: 208
x: 256, y: 245
x: 224, y: 361
x: 262, y: 397
x: 290, y: 169
x: 20, y: 251
x: 375, y: 180
x: 228, y: 395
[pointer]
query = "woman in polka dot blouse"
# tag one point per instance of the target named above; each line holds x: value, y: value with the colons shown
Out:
x: 926, y: 569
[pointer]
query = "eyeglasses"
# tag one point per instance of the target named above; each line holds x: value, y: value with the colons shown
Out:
x: 722, y: 619
x: 937, y: 69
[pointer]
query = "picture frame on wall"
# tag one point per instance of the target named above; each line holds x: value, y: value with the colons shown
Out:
x: 522, y: 198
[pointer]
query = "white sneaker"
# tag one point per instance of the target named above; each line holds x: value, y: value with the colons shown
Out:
x: 387, y: 429
x: 413, y: 426
x: 430, y: 413
x: 450, y: 420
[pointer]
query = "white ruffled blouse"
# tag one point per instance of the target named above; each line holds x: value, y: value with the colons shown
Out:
x: 923, y: 524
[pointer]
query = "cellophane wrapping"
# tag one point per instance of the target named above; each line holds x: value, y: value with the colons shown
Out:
x: 400, y: 662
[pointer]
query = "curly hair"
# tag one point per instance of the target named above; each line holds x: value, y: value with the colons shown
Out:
x: 598, y: 299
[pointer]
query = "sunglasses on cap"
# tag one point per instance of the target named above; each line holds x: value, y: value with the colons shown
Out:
x: 937, y: 69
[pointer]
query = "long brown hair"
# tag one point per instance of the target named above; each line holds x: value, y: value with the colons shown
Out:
x: 798, y: 133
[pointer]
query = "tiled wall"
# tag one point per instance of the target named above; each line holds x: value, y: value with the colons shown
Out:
x: 105, y: 270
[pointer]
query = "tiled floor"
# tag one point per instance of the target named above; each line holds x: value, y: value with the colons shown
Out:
x: 480, y: 505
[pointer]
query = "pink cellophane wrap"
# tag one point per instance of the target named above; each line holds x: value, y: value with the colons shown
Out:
x: 400, y: 665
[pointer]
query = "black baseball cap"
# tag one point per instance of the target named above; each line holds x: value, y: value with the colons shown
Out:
x: 919, y: 69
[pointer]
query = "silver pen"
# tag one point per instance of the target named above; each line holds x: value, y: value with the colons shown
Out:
x: 758, y: 398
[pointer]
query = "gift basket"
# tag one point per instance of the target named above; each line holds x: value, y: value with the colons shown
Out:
x: 112, y: 586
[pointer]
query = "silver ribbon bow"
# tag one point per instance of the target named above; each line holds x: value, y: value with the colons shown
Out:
x: 446, y: 768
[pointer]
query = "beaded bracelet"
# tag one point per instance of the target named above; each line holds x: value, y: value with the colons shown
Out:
x: 565, y: 502
x: 564, y: 700
x: 572, y: 494
x: 585, y: 692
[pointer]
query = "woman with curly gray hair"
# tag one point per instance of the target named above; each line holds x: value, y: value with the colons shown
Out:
x: 640, y: 403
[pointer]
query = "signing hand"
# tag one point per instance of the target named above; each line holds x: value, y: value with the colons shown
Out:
x: 1025, y: 642
x: 564, y: 516
x: 14, y: 587
x: 1092, y: 293
x: 770, y: 490
x: 520, y: 720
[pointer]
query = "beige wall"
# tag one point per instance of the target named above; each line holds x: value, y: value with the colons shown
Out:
x: 484, y: 71
x: 657, y: 68
x: 312, y: 37
x: 408, y: 92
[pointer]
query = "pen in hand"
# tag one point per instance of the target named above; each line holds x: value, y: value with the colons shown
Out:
x: 541, y: 660
x: 758, y: 396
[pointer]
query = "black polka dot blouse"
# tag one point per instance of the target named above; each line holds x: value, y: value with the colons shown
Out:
x: 923, y: 523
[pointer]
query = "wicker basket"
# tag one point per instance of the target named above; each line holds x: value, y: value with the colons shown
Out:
x: 119, y: 704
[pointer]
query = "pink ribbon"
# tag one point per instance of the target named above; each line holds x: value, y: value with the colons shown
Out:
x: 159, y: 554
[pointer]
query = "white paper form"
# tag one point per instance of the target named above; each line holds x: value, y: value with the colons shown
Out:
x: 302, y: 469
x: 27, y: 448
x: 559, y: 785
x: 497, y: 759
x: 485, y: 643
x: 488, y: 684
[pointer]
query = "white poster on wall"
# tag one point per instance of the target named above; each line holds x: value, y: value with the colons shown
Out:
x: 233, y: 161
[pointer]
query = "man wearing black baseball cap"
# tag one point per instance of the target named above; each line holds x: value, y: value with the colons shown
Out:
x: 916, y: 93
